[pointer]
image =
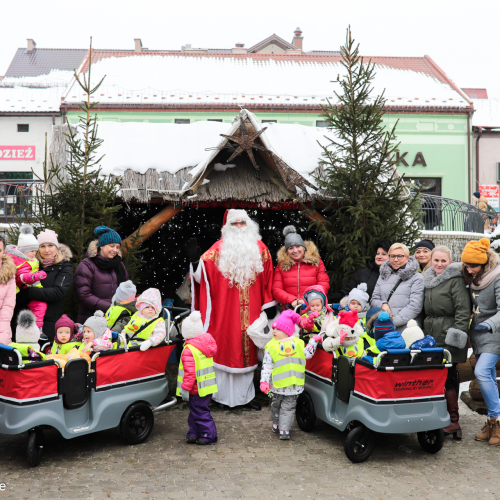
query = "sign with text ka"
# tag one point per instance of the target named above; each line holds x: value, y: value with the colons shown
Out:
x: 17, y: 152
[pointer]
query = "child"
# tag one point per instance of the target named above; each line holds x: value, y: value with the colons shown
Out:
x: 146, y: 328
x: 195, y: 388
x: 96, y: 334
x: 65, y: 339
x: 27, y: 336
x: 122, y: 306
x: 28, y: 273
x: 317, y: 315
x: 386, y: 337
x: 283, y: 370
x: 357, y: 300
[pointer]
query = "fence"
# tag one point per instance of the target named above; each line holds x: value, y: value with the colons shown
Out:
x: 15, y: 197
x: 446, y: 214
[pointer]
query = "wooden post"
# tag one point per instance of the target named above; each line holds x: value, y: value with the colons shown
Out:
x: 150, y: 227
x: 313, y: 215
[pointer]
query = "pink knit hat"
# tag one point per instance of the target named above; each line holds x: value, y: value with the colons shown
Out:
x: 287, y: 321
x: 48, y: 236
x: 65, y: 321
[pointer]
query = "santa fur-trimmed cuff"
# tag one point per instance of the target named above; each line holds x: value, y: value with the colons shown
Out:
x: 456, y: 338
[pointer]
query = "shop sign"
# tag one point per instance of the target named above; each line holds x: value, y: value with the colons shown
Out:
x: 490, y: 192
x: 17, y: 152
x: 402, y: 159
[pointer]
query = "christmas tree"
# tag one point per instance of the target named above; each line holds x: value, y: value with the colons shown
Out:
x: 369, y: 201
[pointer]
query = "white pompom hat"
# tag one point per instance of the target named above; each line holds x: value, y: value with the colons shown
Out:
x: 192, y: 326
x: 412, y: 333
x: 27, y: 241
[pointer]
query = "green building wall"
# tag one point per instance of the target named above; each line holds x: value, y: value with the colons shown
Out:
x: 441, y: 140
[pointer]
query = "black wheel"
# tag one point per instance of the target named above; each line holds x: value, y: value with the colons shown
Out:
x: 35, y: 446
x: 431, y: 441
x: 137, y: 423
x: 306, y: 416
x: 359, y: 444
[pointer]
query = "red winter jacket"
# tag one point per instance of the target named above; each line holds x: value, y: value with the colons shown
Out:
x: 292, y: 279
x: 207, y: 345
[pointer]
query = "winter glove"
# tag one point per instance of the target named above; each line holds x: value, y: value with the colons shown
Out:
x: 483, y: 326
x: 307, y: 323
x: 193, y: 251
x: 264, y: 387
x: 270, y: 312
x: 31, y: 278
x: 146, y: 345
x: 318, y: 338
x: 185, y: 395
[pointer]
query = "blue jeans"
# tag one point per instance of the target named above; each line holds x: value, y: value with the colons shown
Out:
x: 486, y: 375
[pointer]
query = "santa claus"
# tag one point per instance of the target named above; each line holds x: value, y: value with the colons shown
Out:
x: 232, y: 286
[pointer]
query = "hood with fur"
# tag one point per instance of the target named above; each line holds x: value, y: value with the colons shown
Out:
x: 66, y: 252
x: 7, y: 269
x: 311, y: 256
x: 431, y: 280
x: 411, y: 268
x: 92, y: 249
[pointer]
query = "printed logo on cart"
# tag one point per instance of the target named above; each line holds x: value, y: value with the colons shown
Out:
x: 414, y: 384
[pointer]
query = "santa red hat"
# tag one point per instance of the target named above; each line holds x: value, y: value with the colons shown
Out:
x: 348, y: 318
x: 233, y: 215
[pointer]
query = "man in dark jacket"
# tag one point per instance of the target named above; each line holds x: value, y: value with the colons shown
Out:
x: 368, y: 274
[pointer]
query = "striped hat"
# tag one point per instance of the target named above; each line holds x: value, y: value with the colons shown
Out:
x: 382, y: 325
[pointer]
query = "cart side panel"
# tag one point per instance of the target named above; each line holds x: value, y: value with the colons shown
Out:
x: 320, y: 366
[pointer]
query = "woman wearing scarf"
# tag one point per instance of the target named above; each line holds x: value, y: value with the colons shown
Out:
x: 54, y: 259
x: 98, y: 275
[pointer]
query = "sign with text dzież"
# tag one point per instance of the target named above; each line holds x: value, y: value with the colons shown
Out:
x: 490, y: 192
x: 17, y: 152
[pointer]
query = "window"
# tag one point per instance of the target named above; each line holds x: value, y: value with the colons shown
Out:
x: 320, y: 123
x: 429, y: 185
x: 11, y: 176
x: 214, y: 120
x: 269, y: 121
x: 182, y: 121
x: 23, y: 127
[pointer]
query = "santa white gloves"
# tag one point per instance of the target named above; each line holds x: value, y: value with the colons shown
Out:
x: 145, y: 345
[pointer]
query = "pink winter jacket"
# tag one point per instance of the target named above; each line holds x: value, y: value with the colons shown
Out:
x: 207, y: 345
x: 7, y: 297
x: 292, y: 279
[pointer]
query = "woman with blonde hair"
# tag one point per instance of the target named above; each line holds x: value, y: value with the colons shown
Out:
x: 446, y: 318
x: 400, y: 287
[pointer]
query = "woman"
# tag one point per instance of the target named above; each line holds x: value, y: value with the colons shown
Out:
x: 7, y: 293
x: 98, y: 275
x: 447, y: 314
x: 423, y: 251
x: 299, y: 267
x: 54, y: 259
x: 482, y: 273
x: 368, y: 274
x: 400, y: 287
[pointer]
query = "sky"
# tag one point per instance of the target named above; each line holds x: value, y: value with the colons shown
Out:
x: 460, y: 36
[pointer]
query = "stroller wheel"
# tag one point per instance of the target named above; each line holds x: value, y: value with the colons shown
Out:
x: 306, y: 416
x: 359, y: 444
x: 35, y: 446
x: 431, y: 441
x: 137, y: 423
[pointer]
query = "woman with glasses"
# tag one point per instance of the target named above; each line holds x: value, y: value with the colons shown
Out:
x: 400, y: 287
x: 482, y: 273
x: 447, y: 315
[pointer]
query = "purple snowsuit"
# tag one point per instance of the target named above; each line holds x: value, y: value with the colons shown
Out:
x: 94, y: 287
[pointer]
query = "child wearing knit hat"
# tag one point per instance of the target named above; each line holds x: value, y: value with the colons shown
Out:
x: 27, y: 337
x: 317, y: 314
x: 386, y: 337
x: 146, y: 327
x: 96, y: 334
x: 123, y: 306
x: 64, y: 339
x: 196, y: 381
x: 28, y: 268
x: 280, y: 376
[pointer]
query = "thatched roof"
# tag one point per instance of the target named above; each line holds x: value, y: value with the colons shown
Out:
x: 146, y: 179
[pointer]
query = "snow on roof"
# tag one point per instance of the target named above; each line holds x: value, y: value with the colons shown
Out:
x: 55, y: 78
x: 189, y: 80
x: 487, y: 113
x: 24, y: 99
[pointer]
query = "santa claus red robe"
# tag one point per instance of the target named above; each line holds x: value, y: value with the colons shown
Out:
x: 228, y: 310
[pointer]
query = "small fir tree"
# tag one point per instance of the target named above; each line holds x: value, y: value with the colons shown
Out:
x: 369, y: 200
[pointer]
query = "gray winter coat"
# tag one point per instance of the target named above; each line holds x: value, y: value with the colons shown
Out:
x: 486, y: 309
x: 447, y: 310
x: 407, y: 301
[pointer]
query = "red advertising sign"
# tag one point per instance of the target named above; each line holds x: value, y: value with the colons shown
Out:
x: 17, y: 152
x: 490, y: 192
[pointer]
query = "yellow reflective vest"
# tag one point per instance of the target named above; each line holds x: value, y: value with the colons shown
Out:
x: 114, y: 313
x: 289, y: 362
x: 64, y: 348
x: 135, y: 324
x: 205, y: 373
x: 23, y: 349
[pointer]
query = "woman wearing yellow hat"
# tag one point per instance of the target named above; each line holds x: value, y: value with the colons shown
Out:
x: 482, y: 273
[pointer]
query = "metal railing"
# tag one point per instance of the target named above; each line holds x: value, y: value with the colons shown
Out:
x: 16, y: 197
x: 446, y: 214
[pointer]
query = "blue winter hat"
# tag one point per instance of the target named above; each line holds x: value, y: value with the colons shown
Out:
x: 107, y: 236
x: 382, y: 325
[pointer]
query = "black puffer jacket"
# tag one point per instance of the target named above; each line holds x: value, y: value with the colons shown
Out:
x: 368, y: 275
x: 55, y: 288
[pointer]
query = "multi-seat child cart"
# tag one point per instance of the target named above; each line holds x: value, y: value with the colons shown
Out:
x: 402, y: 393
x: 124, y: 387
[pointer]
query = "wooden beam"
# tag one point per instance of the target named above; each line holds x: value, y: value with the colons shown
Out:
x: 150, y: 227
x: 313, y: 215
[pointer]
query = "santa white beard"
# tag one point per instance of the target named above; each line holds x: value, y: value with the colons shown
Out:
x: 240, y: 259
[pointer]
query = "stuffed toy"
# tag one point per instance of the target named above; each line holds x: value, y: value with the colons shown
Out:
x: 345, y: 335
